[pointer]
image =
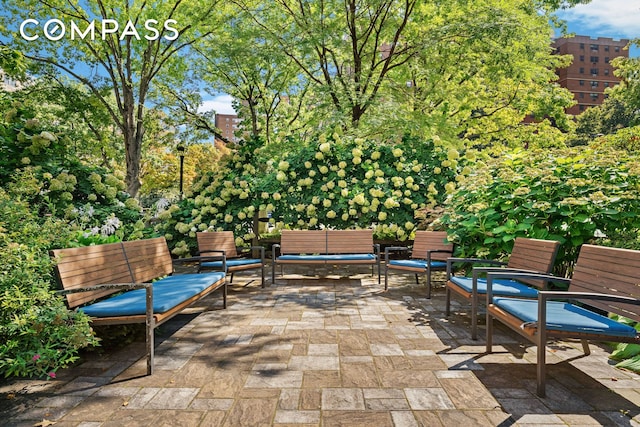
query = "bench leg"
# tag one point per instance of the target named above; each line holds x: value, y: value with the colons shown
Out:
x: 263, y: 276
x: 150, y: 326
x: 224, y: 295
x: 489, y: 337
x: 273, y: 274
x: 386, y: 277
x: 447, y: 300
x: 474, y: 316
x: 585, y: 347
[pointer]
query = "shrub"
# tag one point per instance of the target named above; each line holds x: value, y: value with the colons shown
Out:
x: 574, y: 196
x: 38, y: 334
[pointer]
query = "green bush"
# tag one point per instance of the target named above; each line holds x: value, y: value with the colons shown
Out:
x: 38, y: 334
x: 575, y: 196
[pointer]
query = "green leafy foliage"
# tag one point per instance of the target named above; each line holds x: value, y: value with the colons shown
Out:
x: 38, y: 334
x: 573, y: 196
x: 56, y: 183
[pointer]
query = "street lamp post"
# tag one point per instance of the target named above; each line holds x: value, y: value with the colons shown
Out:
x: 181, y: 154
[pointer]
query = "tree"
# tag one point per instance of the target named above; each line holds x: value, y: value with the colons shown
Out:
x: 345, y: 49
x: 115, y: 48
x: 252, y: 69
x: 482, y: 67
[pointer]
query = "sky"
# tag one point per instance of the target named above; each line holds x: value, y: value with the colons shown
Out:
x: 617, y: 19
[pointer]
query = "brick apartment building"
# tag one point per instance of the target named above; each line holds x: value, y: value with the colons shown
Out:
x: 591, y: 72
x: 228, y: 125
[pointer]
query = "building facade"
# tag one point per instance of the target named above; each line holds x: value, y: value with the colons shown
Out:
x: 228, y: 125
x: 590, y: 72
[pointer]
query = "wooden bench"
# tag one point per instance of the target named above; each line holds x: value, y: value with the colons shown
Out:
x: 527, y: 255
x: 211, y: 243
x: 429, y: 253
x: 324, y: 247
x: 111, y: 284
x: 605, y: 280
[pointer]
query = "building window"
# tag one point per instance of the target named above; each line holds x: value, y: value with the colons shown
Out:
x: 581, y: 45
x: 594, y: 96
x: 581, y: 95
x: 594, y: 83
x: 606, y: 48
x: 606, y: 71
x: 581, y: 70
x: 594, y: 47
x: 581, y: 83
x: 594, y: 59
x: 581, y: 58
x: 594, y: 71
x: 606, y: 59
x: 617, y: 48
x: 581, y: 107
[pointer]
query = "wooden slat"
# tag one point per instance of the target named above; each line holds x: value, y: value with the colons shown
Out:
x: 431, y: 240
x: 611, y: 271
x: 303, y: 242
x: 350, y: 241
x: 217, y: 240
x: 533, y: 254
x: 90, y: 265
x: 148, y: 259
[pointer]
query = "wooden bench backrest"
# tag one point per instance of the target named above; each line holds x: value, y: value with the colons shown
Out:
x: 217, y: 240
x: 148, y: 259
x: 303, y: 242
x: 349, y: 241
x: 88, y: 266
x: 533, y: 254
x: 612, y: 271
x: 431, y: 240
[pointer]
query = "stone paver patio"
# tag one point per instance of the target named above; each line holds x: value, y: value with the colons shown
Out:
x: 328, y: 351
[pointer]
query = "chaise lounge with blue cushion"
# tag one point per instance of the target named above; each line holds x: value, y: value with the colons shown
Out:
x: 605, y: 280
x: 429, y: 253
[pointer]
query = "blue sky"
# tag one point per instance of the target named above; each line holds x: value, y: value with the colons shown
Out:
x: 618, y: 19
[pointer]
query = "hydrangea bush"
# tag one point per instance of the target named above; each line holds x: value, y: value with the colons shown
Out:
x: 56, y: 183
x: 332, y: 182
x: 575, y: 196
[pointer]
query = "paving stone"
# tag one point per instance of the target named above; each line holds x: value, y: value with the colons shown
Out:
x: 343, y: 399
x: 314, y: 363
x: 172, y: 398
x: 404, y: 419
x: 297, y: 417
x: 428, y: 399
x: 289, y: 399
x: 285, y: 379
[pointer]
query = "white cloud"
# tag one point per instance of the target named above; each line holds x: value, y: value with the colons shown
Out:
x: 605, y: 18
x: 221, y: 104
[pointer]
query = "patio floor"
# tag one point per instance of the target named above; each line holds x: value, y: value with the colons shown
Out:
x: 328, y: 351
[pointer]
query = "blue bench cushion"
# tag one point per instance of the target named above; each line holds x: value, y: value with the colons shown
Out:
x: 563, y: 316
x: 167, y: 293
x: 504, y: 287
x: 328, y: 258
x: 231, y: 262
x: 417, y: 263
